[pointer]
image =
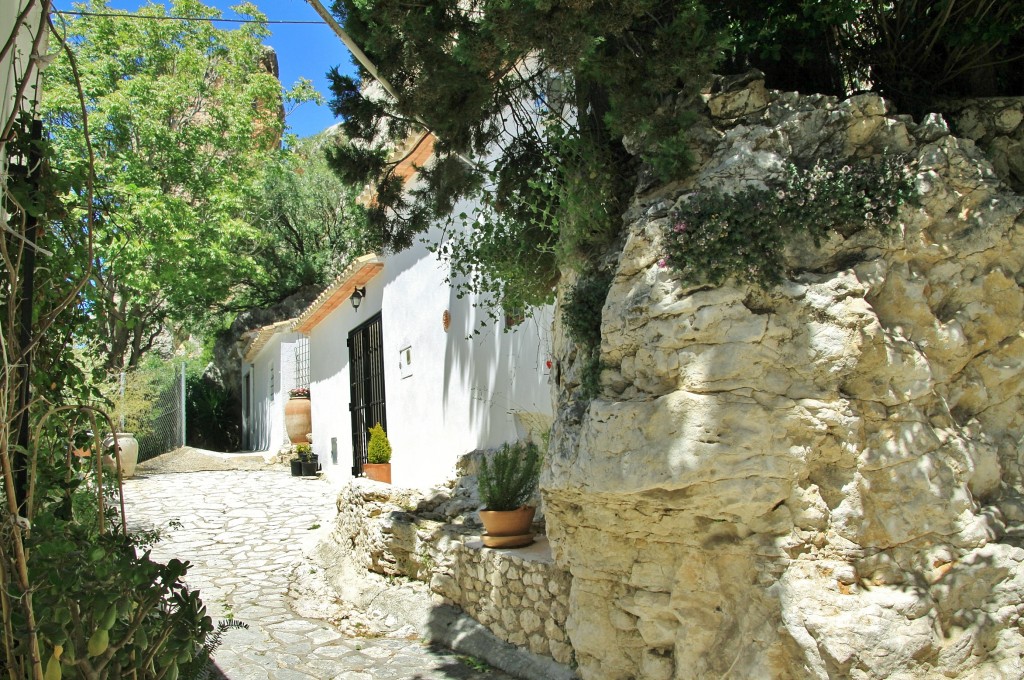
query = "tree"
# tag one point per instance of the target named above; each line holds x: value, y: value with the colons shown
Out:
x: 550, y: 90
x: 914, y: 52
x: 569, y: 98
x: 182, y: 114
x: 307, y: 224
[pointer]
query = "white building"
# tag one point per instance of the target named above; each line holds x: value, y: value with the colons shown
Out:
x: 431, y: 368
x: 21, y: 63
x: 407, y: 357
x: 276, y: 360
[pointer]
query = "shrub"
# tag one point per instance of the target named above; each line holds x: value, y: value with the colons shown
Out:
x: 103, y: 607
x: 378, y: 451
x: 716, y: 236
x: 911, y: 52
x: 510, y: 478
x: 304, y: 452
x: 582, y: 310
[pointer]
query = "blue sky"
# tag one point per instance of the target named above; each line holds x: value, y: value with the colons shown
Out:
x: 303, y: 51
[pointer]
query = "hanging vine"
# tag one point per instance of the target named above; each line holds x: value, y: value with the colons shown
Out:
x: 65, y: 548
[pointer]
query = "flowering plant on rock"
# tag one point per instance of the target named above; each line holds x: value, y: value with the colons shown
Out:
x: 715, y: 235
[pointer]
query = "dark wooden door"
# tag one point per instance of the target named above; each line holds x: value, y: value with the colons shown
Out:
x: 366, y: 380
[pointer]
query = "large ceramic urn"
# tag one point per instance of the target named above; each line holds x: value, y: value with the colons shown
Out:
x: 128, y: 447
x: 297, y: 419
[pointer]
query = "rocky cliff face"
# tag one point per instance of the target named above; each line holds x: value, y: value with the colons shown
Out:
x: 823, y: 479
x: 229, y: 348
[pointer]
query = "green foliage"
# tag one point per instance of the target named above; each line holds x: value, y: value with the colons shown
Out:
x: 378, y: 450
x: 912, y: 51
x: 304, y: 452
x: 715, y: 236
x: 509, y: 478
x: 77, y: 596
x: 546, y: 90
x: 551, y: 91
x: 581, y: 314
x: 476, y: 664
x: 308, y: 225
x: 98, y: 597
x: 210, y: 413
x: 590, y: 373
x: 181, y: 115
x: 61, y: 263
x: 562, y: 213
x: 136, y: 400
x: 111, y: 610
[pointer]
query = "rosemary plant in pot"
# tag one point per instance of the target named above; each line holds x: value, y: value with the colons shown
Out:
x: 506, y: 483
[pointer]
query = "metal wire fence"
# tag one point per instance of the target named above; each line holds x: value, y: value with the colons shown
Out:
x: 164, y: 426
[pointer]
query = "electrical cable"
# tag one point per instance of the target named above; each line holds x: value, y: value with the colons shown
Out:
x: 127, y: 15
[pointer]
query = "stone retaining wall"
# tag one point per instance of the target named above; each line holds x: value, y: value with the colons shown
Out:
x: 519, y: 594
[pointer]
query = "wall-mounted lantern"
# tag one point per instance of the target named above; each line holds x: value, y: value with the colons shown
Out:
x: 357, y: 297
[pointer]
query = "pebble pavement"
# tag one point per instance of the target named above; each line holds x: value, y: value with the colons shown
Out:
x: 245, y: 533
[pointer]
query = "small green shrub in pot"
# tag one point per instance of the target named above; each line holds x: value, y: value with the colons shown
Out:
x: 378, y: 450
x: 304, y: 452
x: 508, y: 480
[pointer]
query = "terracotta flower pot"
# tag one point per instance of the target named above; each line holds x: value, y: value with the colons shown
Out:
x: 298, y: 421
x: 380, y: 472
x: 508, y: 528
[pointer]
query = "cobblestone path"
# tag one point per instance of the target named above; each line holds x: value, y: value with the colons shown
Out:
x: 244, y: 533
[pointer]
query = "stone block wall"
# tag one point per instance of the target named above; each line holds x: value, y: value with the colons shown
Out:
x: 521, y: 595
x: 824, y: 479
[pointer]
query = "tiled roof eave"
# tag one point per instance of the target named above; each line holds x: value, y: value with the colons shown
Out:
x: 356, y: 275
x: 263, y: 336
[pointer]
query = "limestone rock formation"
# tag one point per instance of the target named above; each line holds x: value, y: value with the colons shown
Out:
x: 818, y: 480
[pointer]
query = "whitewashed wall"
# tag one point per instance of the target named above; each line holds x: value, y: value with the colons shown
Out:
x: 17, y: 62
x: 457, y: 394
x: 266, y: 425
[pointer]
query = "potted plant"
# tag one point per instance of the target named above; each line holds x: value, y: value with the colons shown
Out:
x: 307, y: 459
x: 506, y: 483
x: 296, y: 462
x: 378, y: 456
x: 298, y: 421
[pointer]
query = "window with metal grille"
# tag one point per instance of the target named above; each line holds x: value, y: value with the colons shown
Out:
x: 302, y: 362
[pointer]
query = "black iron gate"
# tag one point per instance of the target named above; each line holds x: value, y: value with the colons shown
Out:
x: 366, y: 375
